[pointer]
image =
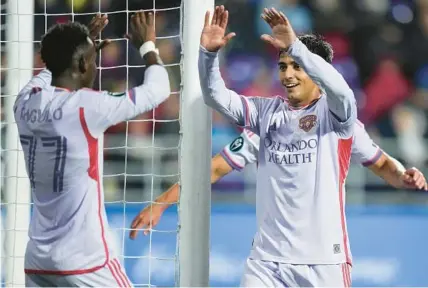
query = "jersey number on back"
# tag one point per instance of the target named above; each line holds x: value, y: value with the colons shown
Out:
x: 59, y: 145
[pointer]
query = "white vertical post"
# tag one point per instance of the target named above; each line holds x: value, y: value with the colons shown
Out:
x: 195, y: 156
x: 19, y: 53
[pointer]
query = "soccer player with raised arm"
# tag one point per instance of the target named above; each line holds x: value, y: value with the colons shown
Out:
x: 60, y: 120
x: 244, y: 151
x: 304, y: 157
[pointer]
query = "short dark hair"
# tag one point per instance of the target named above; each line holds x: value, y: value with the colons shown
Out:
x: 317, y: 45
x: 60, y: 43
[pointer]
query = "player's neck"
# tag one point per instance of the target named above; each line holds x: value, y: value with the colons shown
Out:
x: 306, y: 101
x: 66, y: 82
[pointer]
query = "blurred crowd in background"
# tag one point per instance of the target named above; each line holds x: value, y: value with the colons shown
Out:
x: 381, y: 48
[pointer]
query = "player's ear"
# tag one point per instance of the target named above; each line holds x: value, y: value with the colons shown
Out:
x: 82, y: 65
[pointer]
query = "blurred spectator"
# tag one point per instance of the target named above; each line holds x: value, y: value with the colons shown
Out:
x: 325, y: 11
x: 386, y: 88
x: 410, y: 124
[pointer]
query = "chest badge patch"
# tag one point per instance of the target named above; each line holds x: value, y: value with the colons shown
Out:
x: 307, y: 122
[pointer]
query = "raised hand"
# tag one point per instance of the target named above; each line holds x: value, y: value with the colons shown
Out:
x: 97, y: 24
x: 213, y: 35
x: 282, y: 33
x: 142, y: 29
x: 147, y: 219
x: 414, y: 179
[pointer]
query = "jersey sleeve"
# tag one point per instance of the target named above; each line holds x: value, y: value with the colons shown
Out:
x: 364, y: 150
x: 241, y: 151
x: 40, y: 80
x: 108, y: 109
x: 238, y: 109
x: 340, y: 98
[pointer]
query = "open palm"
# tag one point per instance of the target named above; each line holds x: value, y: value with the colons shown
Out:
x: 282, y: 33
x: 95, y: 27
x: 213, y: 35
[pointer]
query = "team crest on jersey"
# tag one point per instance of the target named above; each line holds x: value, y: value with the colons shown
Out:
x: 237, y: 144
x: 307, y: 122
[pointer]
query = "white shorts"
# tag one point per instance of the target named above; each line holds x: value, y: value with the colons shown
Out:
x: 259, y: 273
x: 111, y: 275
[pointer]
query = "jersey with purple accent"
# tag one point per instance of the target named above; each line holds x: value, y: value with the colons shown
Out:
x: 364, y: 150
x: 59, y: 132
x: 244, y: 149
x: 304, y: 159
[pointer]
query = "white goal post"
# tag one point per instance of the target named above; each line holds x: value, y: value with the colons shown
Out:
x: 19, y: 51
x: 195, y: 201
x: 194, y: 155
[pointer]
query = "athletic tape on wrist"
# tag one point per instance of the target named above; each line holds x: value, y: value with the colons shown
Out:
x: 147, y: 47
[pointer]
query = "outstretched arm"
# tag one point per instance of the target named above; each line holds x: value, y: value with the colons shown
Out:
x: 215, y: 93
x: 112, y: 108
x: 240, y: 110
x: 236, y: 155
x: 394, y: 173
x: 155, y: 88
x: 149, y: 217
x: 367, y: 153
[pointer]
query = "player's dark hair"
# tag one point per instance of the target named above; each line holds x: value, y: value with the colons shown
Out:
x: 59, y: 45
x: 317, y: 45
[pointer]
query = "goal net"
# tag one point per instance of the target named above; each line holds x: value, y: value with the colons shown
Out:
x: 142, y: 157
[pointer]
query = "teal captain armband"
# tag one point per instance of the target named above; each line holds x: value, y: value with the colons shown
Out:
x: 236, y: 144
x: 117, y: 94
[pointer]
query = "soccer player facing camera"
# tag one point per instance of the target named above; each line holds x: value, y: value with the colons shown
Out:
x: 244, y: 150
x: 60, y: 120
x: 304, y: 156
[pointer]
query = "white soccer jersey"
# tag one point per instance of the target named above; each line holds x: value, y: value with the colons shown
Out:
x: 364, y: 150
x: 59, y: 132
x: 244, y: 149
x: 304, y: 159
